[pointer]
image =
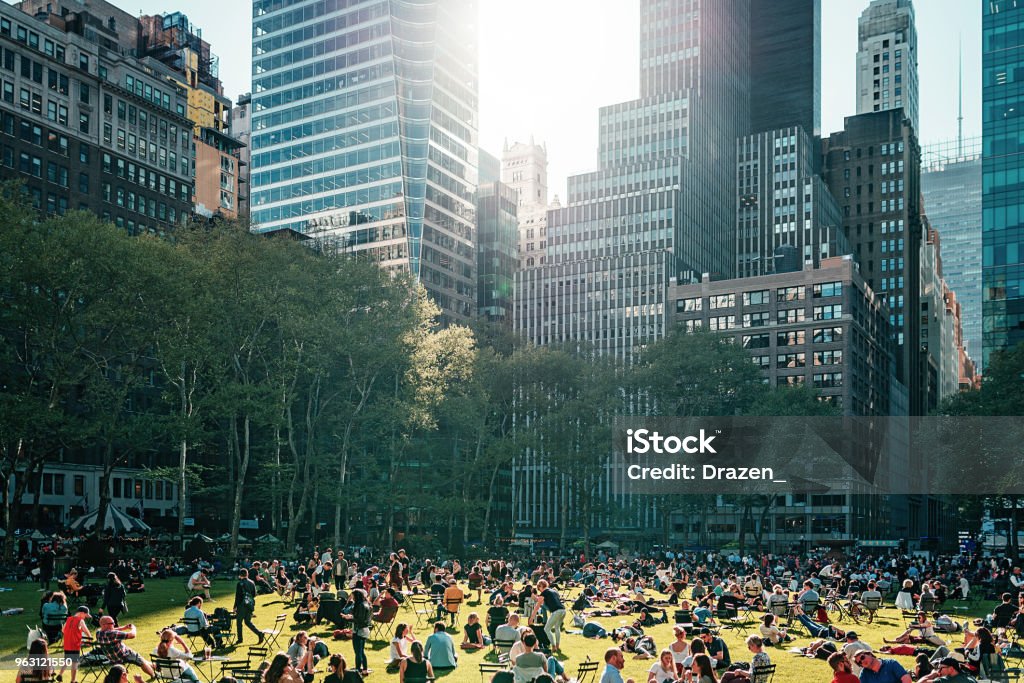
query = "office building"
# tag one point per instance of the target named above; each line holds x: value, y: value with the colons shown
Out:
x: 175, y: 42
x: 524, y: 168
x: 951, y: 187
x: 786, y: 218
x: 364, y: 133
x: 241, y: 130
x: 1002, y: 161
x: 887, y: 59
x: 820, y: 327
x: 873, y: 170
x: 497, y: 233
x: 941, y: 324
x: 86, y: 125
x: 785, y: 65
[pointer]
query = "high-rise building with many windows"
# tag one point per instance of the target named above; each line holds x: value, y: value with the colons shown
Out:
x: 887, y: 59
x: 364, y: 133
x: 951, y: 187
x: 1002, y: 162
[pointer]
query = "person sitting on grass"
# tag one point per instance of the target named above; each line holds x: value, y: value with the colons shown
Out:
x: 877, y: 670
x: 281, y: 671
x: 474, y: 638
x: 440, y: 649
x: 717, y: 649
x: 679, y: 648
x: 702, y: 671
x: 663, y: 670
x: 497, y: 614
x: 841, y: 667
x: 614, y: 662
x: 200, y: 582
x: 771, y: 633
x: 415, y: 667
x: 340, y: 672
x: 400, y: 645
x: 530, y: 664
x: 760, y: 659
x: 948, y: 670
x: 920, y: 631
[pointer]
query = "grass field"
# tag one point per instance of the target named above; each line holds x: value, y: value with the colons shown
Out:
x: 163, y: 604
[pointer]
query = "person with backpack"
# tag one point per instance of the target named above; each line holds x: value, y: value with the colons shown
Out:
x: 245, y: 605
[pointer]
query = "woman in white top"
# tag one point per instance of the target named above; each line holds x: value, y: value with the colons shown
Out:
x: 663, y: 670
x: 404, y: 637
x: 680, y: 649
x: 905, y: 598
x: 166, y: 650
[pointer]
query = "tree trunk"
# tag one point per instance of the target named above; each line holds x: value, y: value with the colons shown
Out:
x: 490, y: 502
x: 37, y: 502
x: 182, y: 454
x: 275, y: 485
x: 12, y: 505
x: 243, y: 467
x: 563, y: 514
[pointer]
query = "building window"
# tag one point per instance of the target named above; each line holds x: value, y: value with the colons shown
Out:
x: 757, y: 298
x: 793, y: 338
x: 791, y: 360
x: 827, y: 335
x: 784, y: 294
x: 830, y: 312
x: 688, y: 305
x: 827, y: 289
x: 53, y: 484
x: 723, y: 322
x: 721, y: 301
x: 828, y: 380
x: 756, y: 341
x: 758, y: 319
x: 790, y: 315
x: 830, y: 357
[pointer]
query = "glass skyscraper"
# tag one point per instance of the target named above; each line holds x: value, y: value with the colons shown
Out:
x: 951, y: 187
x: 364, y: 133
x: 1002, y: 175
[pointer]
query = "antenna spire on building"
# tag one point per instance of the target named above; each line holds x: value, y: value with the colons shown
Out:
x: 960, y: 100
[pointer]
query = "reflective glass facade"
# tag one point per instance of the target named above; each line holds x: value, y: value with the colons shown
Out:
x: 951, y: 187
x: 1002, y: 171
x: 785, y: 65
x: 364, y: 133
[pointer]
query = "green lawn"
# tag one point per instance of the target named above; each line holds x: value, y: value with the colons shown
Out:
x: 163, y: 603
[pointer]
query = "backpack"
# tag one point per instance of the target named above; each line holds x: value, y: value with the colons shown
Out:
x: 945, y: 624
x: 579, y: 621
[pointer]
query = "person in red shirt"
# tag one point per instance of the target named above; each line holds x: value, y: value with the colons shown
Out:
x: 840, y: 664
x: 74, y: 632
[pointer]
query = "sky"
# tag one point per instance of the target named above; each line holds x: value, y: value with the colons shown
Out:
x: 546, y: 66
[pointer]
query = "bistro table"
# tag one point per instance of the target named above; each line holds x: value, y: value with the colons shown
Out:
x: 205, y: 666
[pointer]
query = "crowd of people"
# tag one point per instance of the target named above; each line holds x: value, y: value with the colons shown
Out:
x: 523, y: 607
